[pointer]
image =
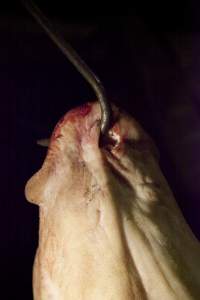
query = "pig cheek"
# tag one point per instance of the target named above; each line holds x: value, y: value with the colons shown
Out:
x: 34, y: 189
x: 37, y: 189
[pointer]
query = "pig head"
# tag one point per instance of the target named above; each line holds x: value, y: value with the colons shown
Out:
x: 109, y: 224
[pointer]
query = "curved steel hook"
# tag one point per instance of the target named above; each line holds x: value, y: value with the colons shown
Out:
x: 76, y: 60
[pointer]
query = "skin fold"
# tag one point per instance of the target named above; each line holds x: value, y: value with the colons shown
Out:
x: 110, y: 228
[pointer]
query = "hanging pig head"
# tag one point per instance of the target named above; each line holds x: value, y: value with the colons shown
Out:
x: 110, y: 228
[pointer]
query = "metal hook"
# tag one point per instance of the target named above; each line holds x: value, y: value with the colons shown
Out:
x: 76, y: 60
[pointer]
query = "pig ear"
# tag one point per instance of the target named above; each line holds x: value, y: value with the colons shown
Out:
x: 35, y: 187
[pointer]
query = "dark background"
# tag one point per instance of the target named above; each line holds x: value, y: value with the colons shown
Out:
x: 150, y: 65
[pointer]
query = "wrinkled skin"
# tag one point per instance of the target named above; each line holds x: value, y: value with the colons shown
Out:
x: 110, y: 228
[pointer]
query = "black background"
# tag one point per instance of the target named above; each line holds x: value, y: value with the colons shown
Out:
x: 149, y: 63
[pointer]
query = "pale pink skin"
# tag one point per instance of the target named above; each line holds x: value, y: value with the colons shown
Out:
x: 110, y: 228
